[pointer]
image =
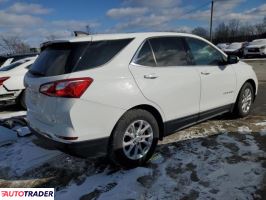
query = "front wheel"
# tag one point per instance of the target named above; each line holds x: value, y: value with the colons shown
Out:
x: 134, y: 138
x: 245, y: 100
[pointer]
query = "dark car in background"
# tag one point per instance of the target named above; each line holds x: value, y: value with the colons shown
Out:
x: 236, y: 48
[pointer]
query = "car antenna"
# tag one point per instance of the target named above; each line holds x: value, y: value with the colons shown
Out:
x: 80, y: 33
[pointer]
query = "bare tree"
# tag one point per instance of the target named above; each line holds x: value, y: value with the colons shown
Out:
x: 233, y: 27
x: 13, y: 44
x: 200, y: 31
x: 222, y: 32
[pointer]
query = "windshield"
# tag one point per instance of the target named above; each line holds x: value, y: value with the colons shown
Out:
x: 257, y: 42
x: 235, y: 46
x: 63, y: 58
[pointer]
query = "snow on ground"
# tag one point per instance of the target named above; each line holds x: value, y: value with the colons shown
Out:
x: 263, y: 132
x: 244, y: 130
x: 7, y: 136
x: 208, y: 161
x: 261, y: 123
x: 23, y: 156
x: 119, y: 185
x: 210, y: 168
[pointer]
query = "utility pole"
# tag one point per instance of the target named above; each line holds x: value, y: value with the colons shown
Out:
x: 211, y: 22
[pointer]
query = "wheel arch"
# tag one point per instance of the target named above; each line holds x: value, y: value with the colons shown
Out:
x: 156, y: 114
x: 153, y: 111
x: 253, y: 84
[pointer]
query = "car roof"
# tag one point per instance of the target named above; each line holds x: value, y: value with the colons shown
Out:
x: 114, y: 36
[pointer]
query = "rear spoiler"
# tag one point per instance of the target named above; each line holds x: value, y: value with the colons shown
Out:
x: 46, y: 44
x: 76, y: 34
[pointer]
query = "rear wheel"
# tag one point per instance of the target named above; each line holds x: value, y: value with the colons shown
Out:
x: 245, y: 100
x: 134, y: 138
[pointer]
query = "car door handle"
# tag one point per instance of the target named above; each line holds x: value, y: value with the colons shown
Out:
x: 150, y: 76
x: 205, y: 73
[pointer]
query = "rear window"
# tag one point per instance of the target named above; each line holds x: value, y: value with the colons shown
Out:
x: 12, y: 66
x: 63, y: 58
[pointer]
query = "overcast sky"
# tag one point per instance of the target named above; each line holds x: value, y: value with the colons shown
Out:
x: 35, y: 20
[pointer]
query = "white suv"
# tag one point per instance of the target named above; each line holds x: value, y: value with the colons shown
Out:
x: 256, y: 48
x: 119, y: 93
x: 11, y: 81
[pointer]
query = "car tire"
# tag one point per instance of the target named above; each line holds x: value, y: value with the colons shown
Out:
x: 244, y: 101
x: 134, y: 139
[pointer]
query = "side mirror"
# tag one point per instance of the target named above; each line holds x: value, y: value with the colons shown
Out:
x: 232, y: 59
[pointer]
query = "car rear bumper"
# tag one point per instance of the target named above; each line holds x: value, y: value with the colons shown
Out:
x: 89, y: 148
x: 8, y: 97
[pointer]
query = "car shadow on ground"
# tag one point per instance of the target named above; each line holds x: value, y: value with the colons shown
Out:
x: 11, y: 108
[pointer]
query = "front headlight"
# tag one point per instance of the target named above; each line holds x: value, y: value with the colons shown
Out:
x: 263, y: 47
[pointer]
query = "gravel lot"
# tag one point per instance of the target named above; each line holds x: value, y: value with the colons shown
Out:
x: 223, y: 158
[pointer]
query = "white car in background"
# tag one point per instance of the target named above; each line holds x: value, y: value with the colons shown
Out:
x: 9, y: 59
x: 256, y: 48
x: 117, y: 94
x: 235, y: 48
x: 222, y: 46
x: 11, y: 81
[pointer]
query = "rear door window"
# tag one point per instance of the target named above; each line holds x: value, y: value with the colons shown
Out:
x: 169, y: 51
x: 63, y: 58
x: 145, y: 56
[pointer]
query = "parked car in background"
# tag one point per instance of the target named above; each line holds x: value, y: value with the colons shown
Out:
x: 2, y: 59
x: 256, y: 48
x: 117, y: 94
x: 236, y: 48
x: 9, y: 59
x: 222, y: 46
x: 11, y: 81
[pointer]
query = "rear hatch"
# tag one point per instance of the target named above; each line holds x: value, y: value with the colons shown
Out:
x: 54, y: 63
x: 58, y: 61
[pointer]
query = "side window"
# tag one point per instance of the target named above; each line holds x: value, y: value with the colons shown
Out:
x: 203, y: 53
x: 100, y: 52
x: 145, y: 56
x: 169, y: 51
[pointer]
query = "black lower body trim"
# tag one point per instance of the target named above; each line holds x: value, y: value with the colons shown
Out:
x: 178, y: 124
x: 90, y: 148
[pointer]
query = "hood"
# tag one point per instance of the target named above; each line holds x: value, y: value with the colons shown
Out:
x: 231, y: 50
x: 255, y: 46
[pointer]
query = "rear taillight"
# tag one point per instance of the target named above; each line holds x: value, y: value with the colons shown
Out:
x: 2, y: 79
x: 69, y: 88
